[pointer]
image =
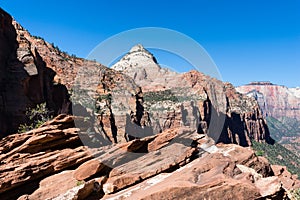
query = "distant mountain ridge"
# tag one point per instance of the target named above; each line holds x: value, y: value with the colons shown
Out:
x: 281, y: 106
x: 274, y: 100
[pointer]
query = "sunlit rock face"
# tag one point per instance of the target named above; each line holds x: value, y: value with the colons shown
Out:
x: 281, y: 106
x: 193, y: 99
x: 274, y: 100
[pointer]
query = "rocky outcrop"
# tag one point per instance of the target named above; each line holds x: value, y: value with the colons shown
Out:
x: 288, y: 180
x: 148, y: 166
x: 214, y: 175
x: 25, y: 79
x: 64, y: 65
x: 34, y: 71
x: 32, y: 155
x: 195, y: 100
x: 49, y: 163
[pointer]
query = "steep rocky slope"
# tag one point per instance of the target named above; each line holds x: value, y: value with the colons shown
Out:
x: 34, y: 71
x: 110, y: 101
x: 286, y: 131
x: 25, y: 79
x: 64, y: 65
x: 193, y: 99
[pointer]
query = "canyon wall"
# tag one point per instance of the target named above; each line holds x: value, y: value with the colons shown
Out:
x: 25, y: 80
x: 195, y: 100
x: 136, y: 98
x: 275, y: 100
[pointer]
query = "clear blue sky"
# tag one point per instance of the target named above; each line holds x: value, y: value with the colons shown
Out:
x: 248, y: 40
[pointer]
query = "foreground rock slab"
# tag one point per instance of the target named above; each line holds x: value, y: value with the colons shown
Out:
x: 148, y: 165
x: 29, y: 156
x: 175, y: 164
x: 213, y: 176
x: 201, y: 179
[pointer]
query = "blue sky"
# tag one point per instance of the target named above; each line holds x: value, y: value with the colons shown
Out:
x: 248, y: 40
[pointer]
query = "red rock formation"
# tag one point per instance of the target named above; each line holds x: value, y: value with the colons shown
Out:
x: 275, y: 100
x: 232, y: 172
x: 121, y: 112
x: 288, y: 180
x: 30, y: 65
x: 178, y: 163
x: 195, y: 100
x: 281, y: 106
x: 25, y: 81
x: 64, y: 65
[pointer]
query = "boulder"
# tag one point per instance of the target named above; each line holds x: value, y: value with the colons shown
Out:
x: 88, y: 169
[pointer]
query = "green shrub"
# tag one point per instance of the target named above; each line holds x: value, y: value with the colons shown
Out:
x: 79, y: 183
x: 295, y: 194
x: 36, y: 116
x: 165, y: 95
x: 278, y: 155
x: 259, y: 153
x: 38, y: 37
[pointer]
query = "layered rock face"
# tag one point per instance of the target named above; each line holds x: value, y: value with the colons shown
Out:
x: 122, y: 110
x: 25, y: 80
x: 281, y: 106
x: 275, y: 100
x: 110, y: 101
x: 34, y: 71
x: 50, y: 163
x: 193, y: 99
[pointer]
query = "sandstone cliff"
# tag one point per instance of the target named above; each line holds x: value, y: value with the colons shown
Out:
x: 25, y: 80
x: 274, y: 100
x: 34, y: 71
x: 281, y: 106
x: 195, y: 100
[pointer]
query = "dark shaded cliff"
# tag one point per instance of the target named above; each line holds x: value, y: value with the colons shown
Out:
x: 25, y: 81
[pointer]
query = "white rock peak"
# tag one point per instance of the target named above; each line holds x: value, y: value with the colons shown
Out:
x: 138, y: 47
x: 143, y: 67
x: 137, y: 57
